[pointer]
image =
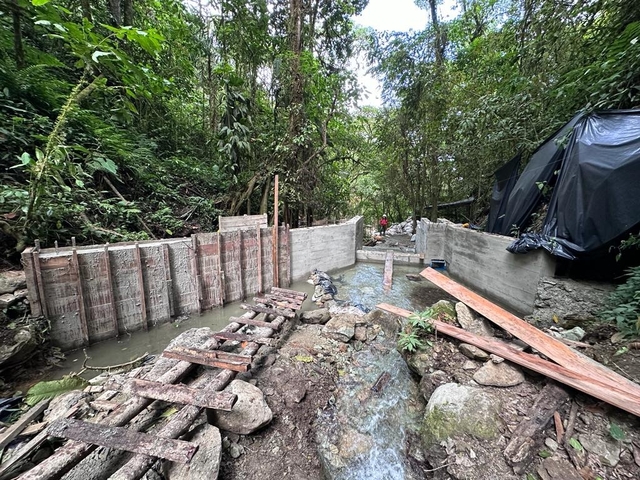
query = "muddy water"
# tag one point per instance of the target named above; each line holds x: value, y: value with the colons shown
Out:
x: 361, y: 284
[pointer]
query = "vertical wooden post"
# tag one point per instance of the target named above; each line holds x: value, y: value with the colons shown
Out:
x: 276, y: 282
x: 110, y: 296
x: 75, y: 266
x: 167, y: 278
x: 143, y: 302
x: 220, y: 272
x: 259, y: 259
x: 35, y: 301
x: 196, y: 274
x: 237, y: 250
x: 38, y: 272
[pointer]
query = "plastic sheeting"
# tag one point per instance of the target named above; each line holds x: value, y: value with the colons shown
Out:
x: 596, y: 199
x: 506, y: 177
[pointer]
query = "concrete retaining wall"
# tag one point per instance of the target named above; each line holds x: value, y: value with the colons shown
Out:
x: 325, y: 248
x: 481, y: 261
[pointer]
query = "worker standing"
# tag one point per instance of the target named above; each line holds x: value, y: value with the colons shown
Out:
x: 383, y: 225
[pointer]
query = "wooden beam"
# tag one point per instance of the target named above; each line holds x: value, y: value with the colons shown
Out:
x: 193, y: 254
x: 546, y: 344
x: 35, y: 302
x: 217, y: 359
x: 223, y: 295
x: 181, y: 394
x: 593, y: 386
x: 38, y: 270
x: 240, y: 337
x: 14, y: 430
x: 270, y: 311
x: 388, y: 271
x: 256, y: 323
x: 143, y: 302
x: 82, y: 313
x: 113, y: 312
x: 237, y: 252
x: 259, y: 257
x: 276, y: 281
x: 267, y: 300
x: 122, y: 438
x: 289, y: 293
x: 166, y: 264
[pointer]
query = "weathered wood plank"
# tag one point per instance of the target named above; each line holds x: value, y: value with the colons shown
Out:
x: 12, y: 432
x: 122, y: 438
x: 181, y: 394
x: 113, y: 312
x: 289, y: 293
x: 82, y: 313
x: 240, y: 337
x: 274, y: 245
x: 256, y: 323
x: 271, y: 311
x: 210, y: 358
x: 193, y: 256
x: 571, y: 377
x: 276, y: 303
x: 213, y: 354
x: 546, y: 344
x: 388, y: 271
x: 142, y: 299
x: 259, y: 257
x: 283, y: 298
x: 244, y: 222
x: 166, y: 263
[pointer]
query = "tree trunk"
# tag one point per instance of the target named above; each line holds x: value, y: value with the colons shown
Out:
x: 17, y: 36
x: 128, y: 12
x: 86, y: 9
x: 439, y: 40
x: 116, y: 13
x: 264, y: 204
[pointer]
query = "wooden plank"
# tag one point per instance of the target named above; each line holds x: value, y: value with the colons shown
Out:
x: 237, y: 251
x: 388, y: 271
x: 297, y: 302
x: 181, y: 394
x: 271, y: 311
x: 259, y: 259
x: 240, y: 337
x: 244, y: 222
x: 572, y: 377
x: 143, y: 303
x: 33, y: 429
x: 35, y: 302
x: 548, y: 345
x: 82, y: 313
x: 213, y: 354
x: 266, y: 300
x: 223, y: 294
x: 166, y: 263
x: 289, y: 293
x: 110, y: 295
x: 12, y: 432
x: 193, y: 256
x: 122, y: 438
x: 275, y: 256
x: 256, y: 323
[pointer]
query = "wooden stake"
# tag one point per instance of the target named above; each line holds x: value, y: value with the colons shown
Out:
x: 110, y: 296
x: 259, y: 257
x: 39, y: 282
x: 276, y: 280
x: 122, y: 438
x: 143, y: 303
x: 82, y: 314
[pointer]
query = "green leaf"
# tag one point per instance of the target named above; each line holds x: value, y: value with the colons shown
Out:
x: 43, y: 390
x: 616, y: 432
x: 38, y: 3
x: 576, y: 445
x: 544, y: 453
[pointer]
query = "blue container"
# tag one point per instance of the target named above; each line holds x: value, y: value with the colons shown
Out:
x: 438, y: 264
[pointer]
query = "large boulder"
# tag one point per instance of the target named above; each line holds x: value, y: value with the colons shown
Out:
x: 342, y: 327
x: 456, y: 410
x: 498, y: 375
x: 249, y: 414
x: 471, y: 322
x: 17, y: 346
x: 205, y: 464
x: 11, y: 281
x: 315, y: 317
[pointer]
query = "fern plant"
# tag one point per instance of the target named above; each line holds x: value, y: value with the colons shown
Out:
x: 420, y: 324
x: 623, y: 305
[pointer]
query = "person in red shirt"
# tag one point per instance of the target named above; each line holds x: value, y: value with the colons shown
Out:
x: 383, y: 224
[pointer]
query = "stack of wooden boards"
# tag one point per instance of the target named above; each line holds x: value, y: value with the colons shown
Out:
x: 565, y: 365
x: 205, y: 392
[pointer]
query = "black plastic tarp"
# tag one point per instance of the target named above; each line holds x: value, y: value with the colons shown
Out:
x: 596, y: 199
x: 526, y: 194
x: 506, y: 177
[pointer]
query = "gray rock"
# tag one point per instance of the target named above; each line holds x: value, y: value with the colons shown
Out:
x: 431, y: 381
x: 608, y: 451
x: 19, y: 349
x: 576, y: 334
x: 454, y: 410
x: 341, y: 327
x: 249, y: 414
x: 205, y: 464
x: 11, y: 281
x: 498, y: 375
x: 471, y: 322
x: 496, y: 358
x: 557, y: 469
x: 360, y: 333
x: 235, y: 450
x: 389, y: 323
x: 473, y: 352
x: 315, y: 317
x: 444, y: 311
x: 419, y: 362
x: 337, y: 310
x: 469, y: 365
x: 7, y: 299
x: 551, y: 444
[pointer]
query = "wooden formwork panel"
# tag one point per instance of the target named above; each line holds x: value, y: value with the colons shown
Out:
x: 182, y: 278
x: 284, y: 257
x: 60, y: 286
x: 97, y: 295
x: 230, y: 244
x: 127, y: 290
x: 155, y: 284
x: 266, y: 242
x: 244, y: 222
x: 210, y: 269
x: 249, y: 261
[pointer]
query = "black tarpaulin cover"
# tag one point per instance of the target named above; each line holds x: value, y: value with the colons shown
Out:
x: 596, y: 199
x: 506, y: 177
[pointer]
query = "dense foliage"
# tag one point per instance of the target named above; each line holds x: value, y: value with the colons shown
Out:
x: 126, y: 119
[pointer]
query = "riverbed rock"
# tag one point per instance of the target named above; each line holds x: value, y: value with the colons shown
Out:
x: 7, y: 299
x: 341, y: 327
x: 205, y: 464
x: 455, y: 410
x: 498, y: 375
x: 608, y: 451
x: 430, y: 381
x: 19, y: 348
x: 473, y: 352
x: 389, y: 323
x: 353, y: 444
x: 471, y: 322
x: 319, y: 316
x: 11, y: 281
x: 557, y: 469
x: 575, y: 334
x: 419, y: 362
x: 444, y: 311
x: 249, y: 414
